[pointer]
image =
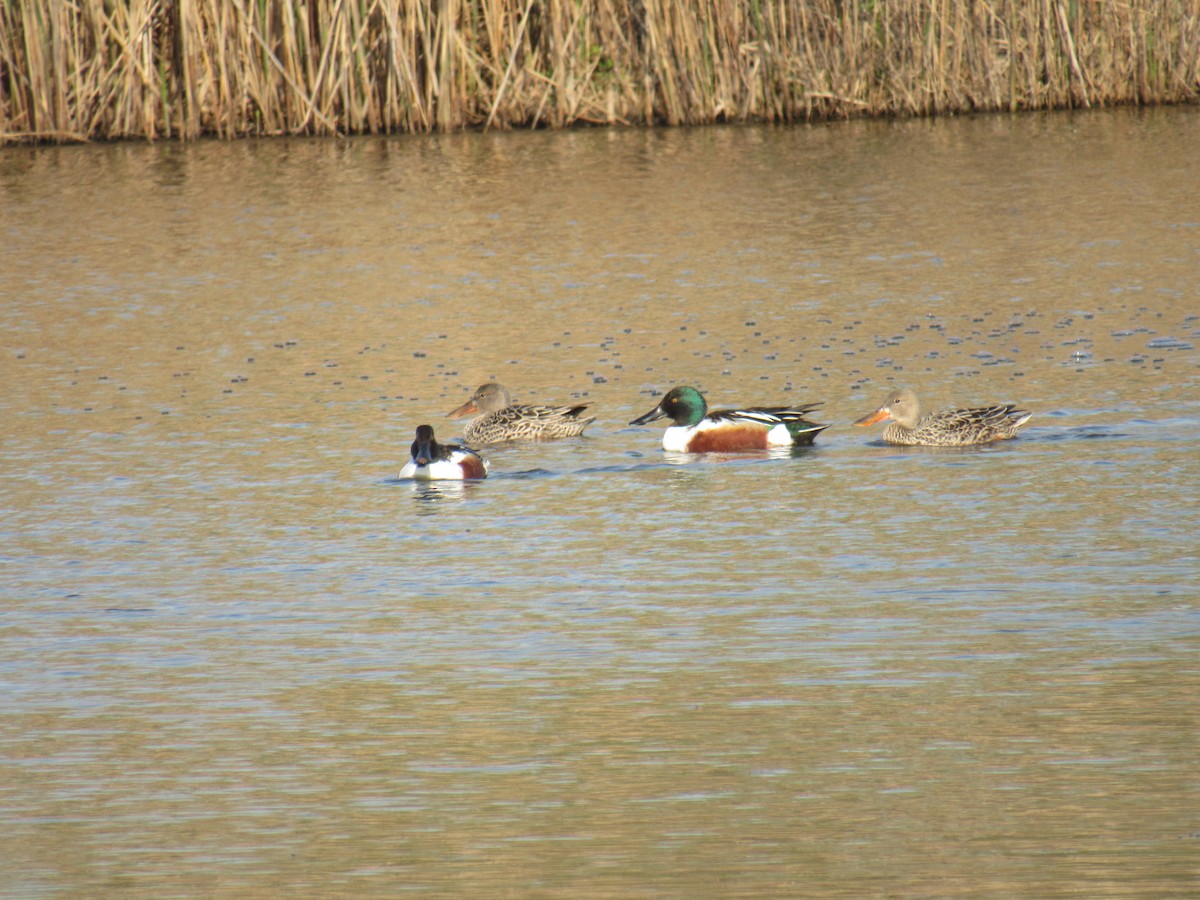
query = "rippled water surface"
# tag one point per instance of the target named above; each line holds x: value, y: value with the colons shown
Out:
x: 240, y: 658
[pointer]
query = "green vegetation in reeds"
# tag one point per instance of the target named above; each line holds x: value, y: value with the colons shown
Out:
x: 78, y: 69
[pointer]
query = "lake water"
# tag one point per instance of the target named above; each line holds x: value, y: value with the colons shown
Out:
x: 240, y: 658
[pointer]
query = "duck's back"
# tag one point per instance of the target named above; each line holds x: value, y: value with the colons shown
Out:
x: 527, y: 423
x: 960, y: 427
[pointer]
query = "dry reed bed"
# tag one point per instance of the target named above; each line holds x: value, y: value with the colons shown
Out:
x: 78, y: 69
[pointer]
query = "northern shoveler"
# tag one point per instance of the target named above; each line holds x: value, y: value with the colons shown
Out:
x: 432, y: 461
x: 500, y: 420
x: 695, y: 430
x: 947, y: 428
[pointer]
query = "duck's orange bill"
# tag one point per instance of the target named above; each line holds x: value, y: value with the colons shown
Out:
x: 878, y: 416
x: 468, y: 407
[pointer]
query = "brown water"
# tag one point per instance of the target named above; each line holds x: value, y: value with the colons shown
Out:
x: 240, y: 659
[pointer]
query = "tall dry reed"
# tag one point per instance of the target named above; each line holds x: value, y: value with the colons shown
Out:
x: 78, y: 69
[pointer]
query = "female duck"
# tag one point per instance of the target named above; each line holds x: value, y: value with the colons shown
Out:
x: 695, y: 430
x: 432, y: 461
x: 947, y: 428
x: 500, y: 420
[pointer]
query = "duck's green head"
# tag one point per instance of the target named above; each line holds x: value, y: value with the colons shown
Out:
x: 682, y: 405
x: 425, y: 448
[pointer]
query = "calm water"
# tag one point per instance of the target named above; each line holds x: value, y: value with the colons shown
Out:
x: 241, y: 659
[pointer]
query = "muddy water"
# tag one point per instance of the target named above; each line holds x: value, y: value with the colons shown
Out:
x: 239, y: 658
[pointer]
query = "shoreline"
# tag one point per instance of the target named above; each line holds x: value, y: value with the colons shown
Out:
x: 148, y: 71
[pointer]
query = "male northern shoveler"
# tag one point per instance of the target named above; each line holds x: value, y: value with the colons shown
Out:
x: 500, y: 420
x: 695, y: 430
x: 432, y: 461
x: 947, y: 428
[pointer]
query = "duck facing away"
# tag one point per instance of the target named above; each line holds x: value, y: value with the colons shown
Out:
x: 696, y: 430
x: 499, y: 419
x: 432, y: 461
x: 947, y: 428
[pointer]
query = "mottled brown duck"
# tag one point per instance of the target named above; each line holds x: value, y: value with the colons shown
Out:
x: 499, y: 419
x: 947, y: 427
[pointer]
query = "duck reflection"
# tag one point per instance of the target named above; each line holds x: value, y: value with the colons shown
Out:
x: 428, y: 494
x: 690, y: 459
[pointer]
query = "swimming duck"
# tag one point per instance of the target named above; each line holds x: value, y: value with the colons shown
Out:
x: 432, y: 461
x: 695, y: 430
x: 947, y: 428
x: 500, y: 420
